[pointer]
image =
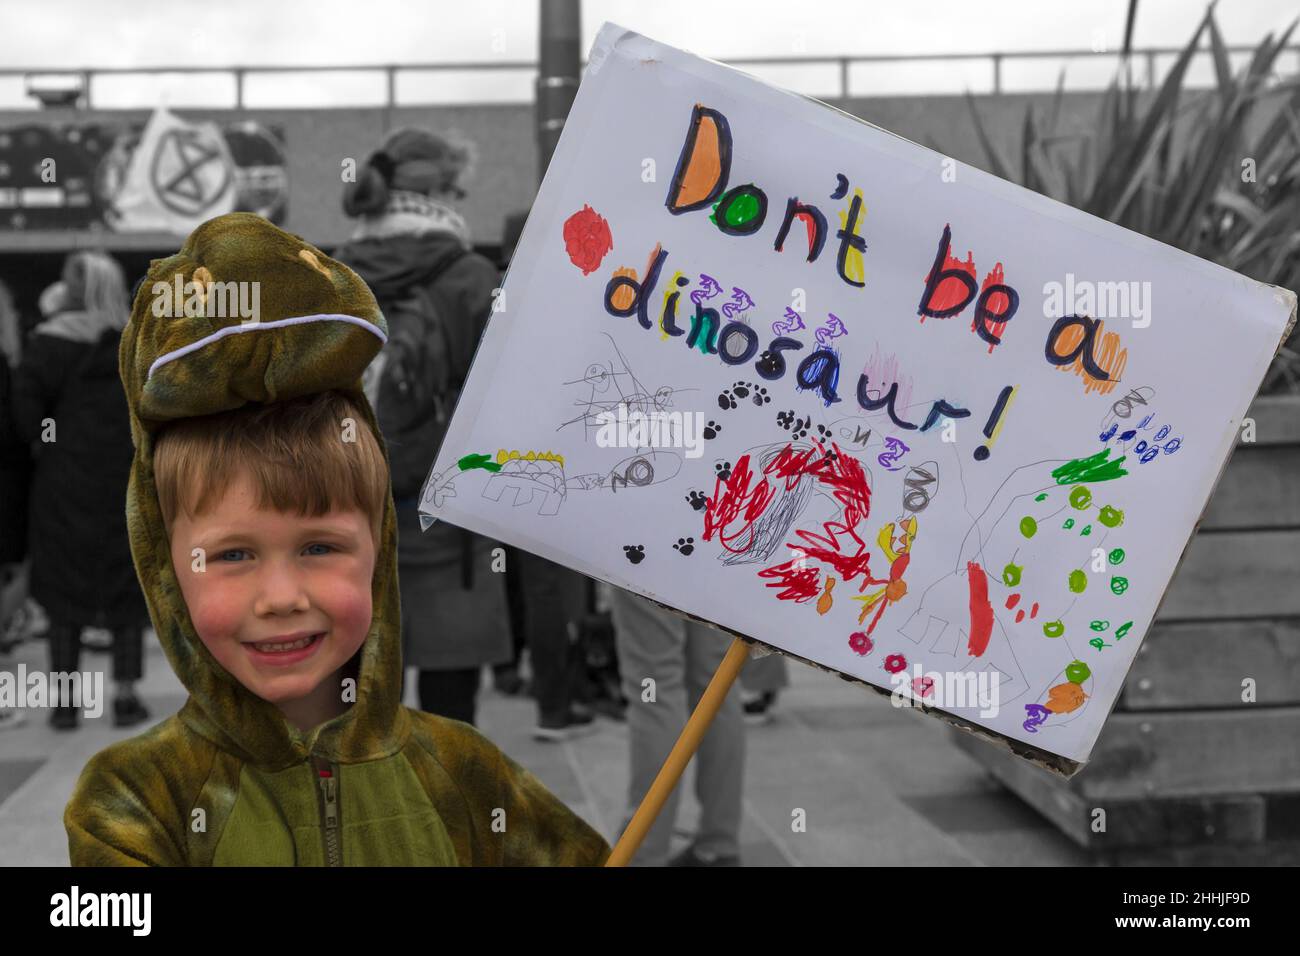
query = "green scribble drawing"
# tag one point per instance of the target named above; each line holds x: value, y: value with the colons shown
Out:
x: 1053, y: 629
x: 1118, y: 584
x: 1117, y: 556
x: 478, y: 461
x: 1087, y: 530
x: 1078, y: 672
x: 1123, y: 629
x: 1080, y: 498
x: 1069, y: 523
x: 1041, y: 497
x: 1099, y: 625
x: 1078, y: 581
x: 1111, y: 517
x: 1094, y: 468
x: 1011, y: 574
x: 1028, y: 526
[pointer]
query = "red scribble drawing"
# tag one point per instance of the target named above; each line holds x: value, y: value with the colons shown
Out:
x: 587, y: 239
x: 733, y: 499
x: 735, y: 506
x: 981, y: 611
x: 842, y: 473
x: 951, y: 291
x: 799, y: 583
x: 849, y: 558
x: 997, y: 303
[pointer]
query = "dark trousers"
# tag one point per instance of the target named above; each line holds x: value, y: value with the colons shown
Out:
x: 449, y: 693
x: 553, y: 598
x: 128, y: 650
x: 518, y: 613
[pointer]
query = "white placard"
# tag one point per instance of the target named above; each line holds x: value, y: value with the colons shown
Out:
x: 981, y: 509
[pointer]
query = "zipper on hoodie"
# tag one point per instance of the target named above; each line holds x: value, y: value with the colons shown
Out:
x: 328, y: 786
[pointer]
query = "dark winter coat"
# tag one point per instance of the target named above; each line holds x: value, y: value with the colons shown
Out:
x: 15, y: 472
x: 81, y: 570
x: 454, y: 603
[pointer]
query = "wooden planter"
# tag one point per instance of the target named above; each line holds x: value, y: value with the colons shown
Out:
x: 1185, y: 770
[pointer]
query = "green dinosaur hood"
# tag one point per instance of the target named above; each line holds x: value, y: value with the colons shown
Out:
x: 317, y: 329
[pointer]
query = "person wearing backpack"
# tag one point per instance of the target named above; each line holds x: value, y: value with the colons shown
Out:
x: 413, y: 250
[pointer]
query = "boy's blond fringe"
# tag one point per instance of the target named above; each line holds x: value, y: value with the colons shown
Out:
x: 297, y: 454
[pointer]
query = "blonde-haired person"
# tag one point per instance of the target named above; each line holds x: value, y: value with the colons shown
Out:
x: 412, y: 248
x: 68, y: 405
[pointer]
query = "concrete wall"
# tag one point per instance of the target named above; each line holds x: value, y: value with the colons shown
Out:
x: 506, y: 177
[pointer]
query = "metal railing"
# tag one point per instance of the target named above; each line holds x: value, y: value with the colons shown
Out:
x: 1146, y: 56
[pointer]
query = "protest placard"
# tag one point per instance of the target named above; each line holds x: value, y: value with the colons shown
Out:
x: 789, y: 373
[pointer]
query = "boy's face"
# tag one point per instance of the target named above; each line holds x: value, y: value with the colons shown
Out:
x: 271, y: 578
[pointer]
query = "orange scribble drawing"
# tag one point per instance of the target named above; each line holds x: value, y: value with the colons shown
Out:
x: 623, y: 296
x: 1064, y: 698
x: 824, y: 602
x: 1111, y: 357
x: 703, y: 161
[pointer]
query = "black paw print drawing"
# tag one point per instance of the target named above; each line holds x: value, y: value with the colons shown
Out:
x: 723, y: 468
x: 685, y: 545
x: 711, y: 430
x: 755, y: 393
x: 697, y: 500
x: 635, y: 552
x: 797, y: 427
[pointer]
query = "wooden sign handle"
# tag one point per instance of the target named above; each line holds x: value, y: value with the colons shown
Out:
x: 681, y: 754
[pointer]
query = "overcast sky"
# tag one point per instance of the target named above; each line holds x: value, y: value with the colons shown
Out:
x: 72, y: 34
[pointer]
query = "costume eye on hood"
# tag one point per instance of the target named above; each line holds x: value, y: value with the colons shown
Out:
x: 243, y: 313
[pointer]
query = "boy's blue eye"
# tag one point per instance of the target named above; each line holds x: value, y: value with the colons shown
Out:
x: 223, y: 556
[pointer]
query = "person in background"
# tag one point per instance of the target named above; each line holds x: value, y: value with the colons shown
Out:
x: 762, y: 680
x: 412, y: 248
x: 68, y: 407
x: 548, y: 602
x: 15, y: 466
x: 681, y: 657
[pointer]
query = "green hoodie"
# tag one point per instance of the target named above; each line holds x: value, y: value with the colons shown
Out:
x: 228, y: 780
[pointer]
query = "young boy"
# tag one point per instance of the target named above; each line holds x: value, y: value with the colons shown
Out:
x: 264, y: 536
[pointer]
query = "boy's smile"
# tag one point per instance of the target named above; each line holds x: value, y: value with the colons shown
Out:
x: 283, y: 602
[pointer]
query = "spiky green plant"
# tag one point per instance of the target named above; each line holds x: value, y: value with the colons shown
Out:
x: 1173, y: 165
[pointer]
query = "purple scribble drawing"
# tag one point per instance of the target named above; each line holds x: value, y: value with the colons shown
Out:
x: 1037, y: 715
x: 793, y: 323
x: 831, y: 330
x: 709, y: 288
x: 894, y: 450
x: 740, y: 302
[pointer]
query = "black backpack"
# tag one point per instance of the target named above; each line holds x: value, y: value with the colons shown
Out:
x: 414, y: 381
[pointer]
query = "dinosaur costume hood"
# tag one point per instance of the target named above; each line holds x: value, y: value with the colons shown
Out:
x: 228, y: 780
x: 317, y: 329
